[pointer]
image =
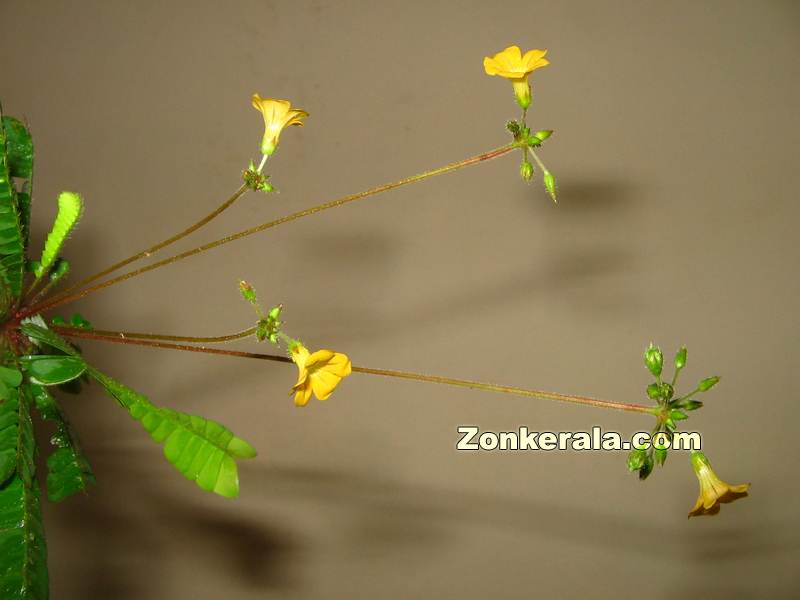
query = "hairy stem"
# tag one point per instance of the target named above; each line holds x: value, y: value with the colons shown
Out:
x: 477, y: 385
x: 159, y: 336
x: 64, y: 299
x: 153, y: 249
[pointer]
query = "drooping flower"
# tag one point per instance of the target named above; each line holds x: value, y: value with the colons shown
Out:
x: 513, y: 65
x: 319, y: 372
x: 713, y: 491
x: 277, y: 114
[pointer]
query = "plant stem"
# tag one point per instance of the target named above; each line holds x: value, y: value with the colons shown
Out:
x: 491, y: 387
x: 62, y: 298
x: 152, y: 249
x: 64, y: 330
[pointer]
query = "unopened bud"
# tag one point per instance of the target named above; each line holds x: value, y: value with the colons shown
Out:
x: 526, y: 170
x: 654, y: 359
x: 550, y: 185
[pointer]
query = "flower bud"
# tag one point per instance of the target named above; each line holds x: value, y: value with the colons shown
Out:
x: 550, y: 185
x: 526, y: 170
x: 647, y: 467
x: 708, y: 383
x: 654, y: 359
x: 680, y: 359
x: 636, y: 459
x: 247, y: 291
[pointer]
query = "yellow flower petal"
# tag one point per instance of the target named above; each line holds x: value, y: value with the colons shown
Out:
x: 713, y: 491
x: 278, y: 114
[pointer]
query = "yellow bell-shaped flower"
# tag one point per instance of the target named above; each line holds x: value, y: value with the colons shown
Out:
x: 278, y: 114
x: 319, y: 373
x: 513, y: 65
x: 713, y: 491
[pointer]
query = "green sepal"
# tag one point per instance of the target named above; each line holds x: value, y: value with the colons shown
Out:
x: 677, y: 415
x: 660, y: 456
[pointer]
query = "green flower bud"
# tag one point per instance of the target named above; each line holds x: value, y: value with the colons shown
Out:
x: 550, y: 185
x: 248, y: 293
x: 543, y: 134
x: 526, y: 170
x: 636, y: 459
x: 680, y: 359
x: 708, y: 383
x: 688, y: 404
x: 660, y: 455
x: 654, y: 391
x: 647, y: 468
x: 654, y: 359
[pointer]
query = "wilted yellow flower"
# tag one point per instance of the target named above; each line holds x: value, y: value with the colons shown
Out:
x: 277, y: 115
x: 713, y: 491
x: 511, y: 64
x: 319, y: 372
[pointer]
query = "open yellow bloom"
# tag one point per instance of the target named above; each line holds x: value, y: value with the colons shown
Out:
x: 513, y: 65
x: 713, y: 491
x: 319, y: 373
x: 277, y: 114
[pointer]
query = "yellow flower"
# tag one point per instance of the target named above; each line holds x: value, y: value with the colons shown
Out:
x: 277, y: 115
x: 511, y: 64
x: 319, y: 373
x: 713, y: 491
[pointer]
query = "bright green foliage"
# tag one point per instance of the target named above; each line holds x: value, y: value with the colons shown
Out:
x: 15, y: 161
x: 45, y: 369
x: 203, y: 450
x: 43, y: 336
x: 23, y: 566
x: 68, y: 470
x: 70, y: 207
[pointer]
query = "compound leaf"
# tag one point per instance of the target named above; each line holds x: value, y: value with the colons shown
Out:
x: 68, y: 470
x: 23, y: 550
x: 70, y: 207
x: 202, y: 450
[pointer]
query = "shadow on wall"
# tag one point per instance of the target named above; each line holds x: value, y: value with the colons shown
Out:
x: 594, y: 209
x: 373, y: 517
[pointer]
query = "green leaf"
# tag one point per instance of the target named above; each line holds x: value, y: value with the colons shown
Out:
x: 11, y: 377
x: 42, y: 335
x: 23, y: 551
x: 12, y: 253
x: 45, y: 369
x: 201, y: 449
x: 68, y: 470
x: 19, y: 148
x: 70, y: 207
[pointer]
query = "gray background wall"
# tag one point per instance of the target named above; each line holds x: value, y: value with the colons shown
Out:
x: 675, y: 148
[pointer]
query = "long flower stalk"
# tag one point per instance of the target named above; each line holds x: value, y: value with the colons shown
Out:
x: 62, y: 299
x: 477, y: 385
